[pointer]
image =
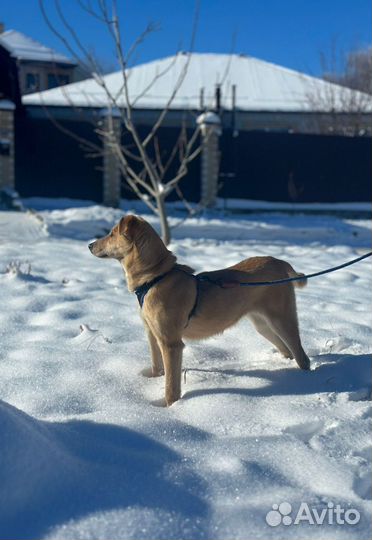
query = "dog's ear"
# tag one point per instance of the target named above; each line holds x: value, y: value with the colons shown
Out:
x: 127, y: 226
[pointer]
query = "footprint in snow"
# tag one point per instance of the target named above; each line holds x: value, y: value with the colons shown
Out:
x: 362, y: 485
x: 305, y: 431
x: 88, y: 336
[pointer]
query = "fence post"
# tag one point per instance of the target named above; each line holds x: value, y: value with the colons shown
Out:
x: 7, y: 144
x: 210, y: 127
x: 111, y: 170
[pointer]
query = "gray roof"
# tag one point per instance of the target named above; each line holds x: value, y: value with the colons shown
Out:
x: 23, y: 47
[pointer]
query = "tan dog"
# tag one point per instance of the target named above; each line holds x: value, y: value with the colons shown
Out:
x: 176, y: 304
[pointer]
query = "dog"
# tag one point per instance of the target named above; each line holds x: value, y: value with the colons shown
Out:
x: 177, y: 305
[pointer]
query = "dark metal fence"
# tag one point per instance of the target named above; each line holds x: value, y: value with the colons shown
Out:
x: 49, y: 163
x: 293, y: 167
x: 254, y: 165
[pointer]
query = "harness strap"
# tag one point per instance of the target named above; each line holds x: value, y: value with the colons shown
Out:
x: 192, y: 312
x: 142, y: 290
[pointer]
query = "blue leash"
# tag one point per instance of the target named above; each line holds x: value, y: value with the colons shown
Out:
x: 287, y: 280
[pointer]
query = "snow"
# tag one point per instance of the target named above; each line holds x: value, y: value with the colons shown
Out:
x: 23, y: 47
x: 263, y: 206
x: 260, y: 86
x: 6, y: 105
x: 86, y: 453
x: 236, y: 205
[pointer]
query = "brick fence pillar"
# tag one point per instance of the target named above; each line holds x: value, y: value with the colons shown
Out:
x: 7, y: 144
x: 210, y: 125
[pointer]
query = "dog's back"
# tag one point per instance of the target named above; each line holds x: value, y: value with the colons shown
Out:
x: 222, y: 301
x: 271, y: 267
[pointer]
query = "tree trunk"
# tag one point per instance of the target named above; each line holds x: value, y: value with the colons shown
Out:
x: 164, y: 225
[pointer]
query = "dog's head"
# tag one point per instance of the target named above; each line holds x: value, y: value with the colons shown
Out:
x: 133, y: 239
x: 119, y: 242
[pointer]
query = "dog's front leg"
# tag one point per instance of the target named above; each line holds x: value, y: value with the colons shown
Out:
x: 172, y: 358
x: 157, y: 368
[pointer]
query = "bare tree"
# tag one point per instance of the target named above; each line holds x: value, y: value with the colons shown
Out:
x: 354, y: 71
x: 151, y: 172
x: 343, y: 102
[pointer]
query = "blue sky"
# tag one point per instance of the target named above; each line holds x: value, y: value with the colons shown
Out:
x: 287, y: 32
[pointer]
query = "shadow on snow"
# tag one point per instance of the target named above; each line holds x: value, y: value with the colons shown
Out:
x: 337, y: 373
x: 55, y: 472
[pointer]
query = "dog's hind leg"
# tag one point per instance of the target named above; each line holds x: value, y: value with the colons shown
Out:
x: 263, y: 328
x: 287, y: 330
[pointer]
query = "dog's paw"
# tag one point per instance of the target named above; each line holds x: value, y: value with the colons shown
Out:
x: 159, y: 403
x: 303, y: 363
x: 149, y: 373
x: 172, y: 397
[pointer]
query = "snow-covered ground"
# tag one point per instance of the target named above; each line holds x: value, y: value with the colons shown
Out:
x: 85, y: 452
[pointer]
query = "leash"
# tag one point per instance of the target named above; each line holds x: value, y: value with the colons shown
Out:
x: 144, y: 289
x: 231, y: 284
x: 277, y: 282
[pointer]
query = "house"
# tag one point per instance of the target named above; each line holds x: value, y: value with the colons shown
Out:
x: 286, y: 136
x: 27, y: 66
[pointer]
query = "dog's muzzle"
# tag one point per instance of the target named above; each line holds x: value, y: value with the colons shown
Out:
x: 93, y: 249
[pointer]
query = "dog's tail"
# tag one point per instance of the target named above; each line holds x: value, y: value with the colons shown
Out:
x: 293, y: 274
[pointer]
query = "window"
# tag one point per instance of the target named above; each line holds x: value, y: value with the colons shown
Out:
x: 32, y: 82
x: 54, y: 79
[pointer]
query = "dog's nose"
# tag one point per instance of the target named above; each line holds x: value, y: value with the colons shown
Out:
x: 90, y: 246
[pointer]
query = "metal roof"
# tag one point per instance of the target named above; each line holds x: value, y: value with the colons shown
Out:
x: 23, y: 47
x: 259, y: 86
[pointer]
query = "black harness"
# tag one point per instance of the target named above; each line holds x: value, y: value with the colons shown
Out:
x: 142, y: 290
